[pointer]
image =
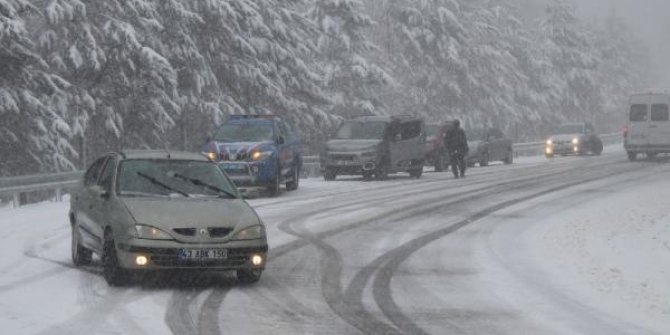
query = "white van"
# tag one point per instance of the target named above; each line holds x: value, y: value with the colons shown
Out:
x: 648, y: 127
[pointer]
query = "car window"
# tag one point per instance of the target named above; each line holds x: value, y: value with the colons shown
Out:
x: 172, y: 177
x: 638, y: 112
x: 93, y: 172
x: 107, y: 175
x: 410, y: 130
x: 371, y: 130
x: 659, y: 112
x: 285, y: 131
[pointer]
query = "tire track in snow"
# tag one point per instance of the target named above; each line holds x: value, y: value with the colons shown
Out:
x: 385, y: 266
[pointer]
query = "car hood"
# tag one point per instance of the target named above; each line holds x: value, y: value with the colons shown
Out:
x: 191, y: 213
x: 352, y: 145
x: 564, y: 137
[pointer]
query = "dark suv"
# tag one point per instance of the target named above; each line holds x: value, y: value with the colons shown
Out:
x: 258, y: 150
x: 375, y: 146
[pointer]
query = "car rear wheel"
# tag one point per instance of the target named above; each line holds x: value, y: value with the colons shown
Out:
x: 439, y: 163
x: 330, y: 174
x: 416, y: 173
x: 510, y: 157
x: 249, y: 276
x: 80, y: 255
x: 367, y: 175
x: 632, y: 156
x: 293, y: 185
x: 484, y: 161
x: 114, y: 274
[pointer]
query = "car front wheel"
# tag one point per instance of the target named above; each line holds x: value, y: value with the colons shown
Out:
x: 484, y: 161
x: 293, y: 185
x: 275, y: 186
x: 249, y: 276
x: 114, y: 274
x: 330, y: 174
x: 632, y: 156
x: 80, y: 255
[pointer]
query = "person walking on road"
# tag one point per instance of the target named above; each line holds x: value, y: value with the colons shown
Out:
x: 457, y: 147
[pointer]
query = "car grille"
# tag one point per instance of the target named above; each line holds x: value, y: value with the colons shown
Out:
x: 219, y: 231
x: 215, y: 232
x: 340, y: 157
x: 185, y: 231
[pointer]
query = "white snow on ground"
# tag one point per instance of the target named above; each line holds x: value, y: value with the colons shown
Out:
x: 615, y: 248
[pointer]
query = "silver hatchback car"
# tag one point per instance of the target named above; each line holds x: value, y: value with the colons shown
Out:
x: 159, y: 210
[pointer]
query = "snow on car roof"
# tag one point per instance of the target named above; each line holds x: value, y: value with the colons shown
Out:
x: 164, y: 154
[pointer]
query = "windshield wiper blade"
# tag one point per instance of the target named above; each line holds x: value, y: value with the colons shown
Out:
x: 199, y: 182
x: 163, y: 185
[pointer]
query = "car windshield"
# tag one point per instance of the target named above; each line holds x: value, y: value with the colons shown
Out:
x: 245, y: 133
x: 172, y: 177
x: 372, y: 130
x: 569, y: 129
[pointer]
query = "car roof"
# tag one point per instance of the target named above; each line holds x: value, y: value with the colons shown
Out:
x: 162, y: 154
x: 379, y: 118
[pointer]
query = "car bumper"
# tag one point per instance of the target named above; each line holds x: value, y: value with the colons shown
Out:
x: 354, y: 164
x: 562, y: 150
x: 165, y: 255
x: 259, y: 173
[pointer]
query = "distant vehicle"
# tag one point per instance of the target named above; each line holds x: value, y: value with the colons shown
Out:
x: 158, y: 210
x: 258, y: 151
x: 488, y: 145
x: 436, y: 152
x: 574, y: 139
x: 375, y: 146
x: 648, y: 127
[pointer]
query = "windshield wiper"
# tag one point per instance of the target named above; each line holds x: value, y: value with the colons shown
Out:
x: 163, y: 185
x: 199, y: 182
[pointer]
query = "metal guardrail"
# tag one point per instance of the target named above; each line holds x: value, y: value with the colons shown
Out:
x: 61, y: 182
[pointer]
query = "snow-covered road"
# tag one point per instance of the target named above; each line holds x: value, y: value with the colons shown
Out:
x: 575, y: 245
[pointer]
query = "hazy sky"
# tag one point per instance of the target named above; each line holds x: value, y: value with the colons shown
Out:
x: 651, y: 21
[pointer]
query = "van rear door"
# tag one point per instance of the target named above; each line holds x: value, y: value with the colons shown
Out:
x: 659, y: 123
x: 638, y: 121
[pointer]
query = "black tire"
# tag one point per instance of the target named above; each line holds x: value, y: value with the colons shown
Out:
x: 484, y: 160
x: 510, y: 157
x: 80, y: 255
x: 632, y: 156
x: 651, y: 155
x: 439, y: 163
x: 368, y: 175
x: 330, y: 174
x: 293, y: 185
x: 249, y: 276
x: 111, y: 270
x: 275, y: 188
x: 416, y: 173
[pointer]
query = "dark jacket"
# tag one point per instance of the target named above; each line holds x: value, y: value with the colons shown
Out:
x: 456, y: 142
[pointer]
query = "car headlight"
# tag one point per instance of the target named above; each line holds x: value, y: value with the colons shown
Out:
x: 212, y: 156
x: 149, y: 232
x: 260, y: 155
x: 550, y: 142
x: 575, y: 140
x: 251, y: 233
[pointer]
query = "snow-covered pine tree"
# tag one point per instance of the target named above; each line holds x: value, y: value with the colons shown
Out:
x: 354, y: 83
x: 32, y: 132
x: 574, y: 57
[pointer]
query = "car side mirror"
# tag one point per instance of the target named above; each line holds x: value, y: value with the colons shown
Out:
x: 280, y: 140
x: 100, y: 191
x: 249, y: 193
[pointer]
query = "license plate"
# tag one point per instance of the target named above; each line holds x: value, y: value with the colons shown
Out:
x: 202, y: 254
x: 234, y: 167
